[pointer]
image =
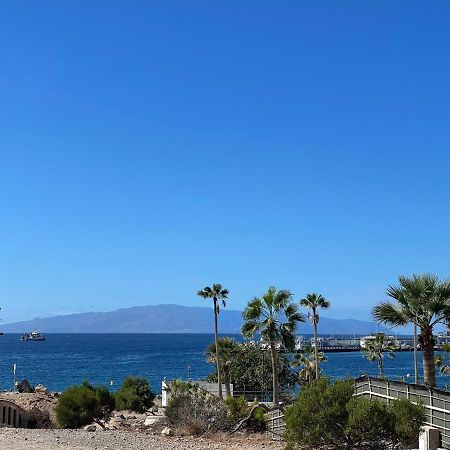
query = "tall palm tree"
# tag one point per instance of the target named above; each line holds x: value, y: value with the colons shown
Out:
x: 275, y: 317
x: 218, y: 294
x: 306, y: 360
x: 313, y: 302
x: 228, y: 349
x: 375, y: 349
x: 424, y: 301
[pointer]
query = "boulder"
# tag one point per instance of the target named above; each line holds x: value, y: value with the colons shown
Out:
x: 91, y: 427
x: 153, y: 420
x: 24, y: 387
x: 167, y: 432
x: 41, y: 389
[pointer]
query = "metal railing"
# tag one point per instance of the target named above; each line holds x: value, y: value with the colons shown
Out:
x: 436, y: 401
x: 275, y: 424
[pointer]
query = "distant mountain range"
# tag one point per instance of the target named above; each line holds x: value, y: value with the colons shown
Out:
x: 169, y: 319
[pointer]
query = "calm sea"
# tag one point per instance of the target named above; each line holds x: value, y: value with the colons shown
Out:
x: 66, y: 359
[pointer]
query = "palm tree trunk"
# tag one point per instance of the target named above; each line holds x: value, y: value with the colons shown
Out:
x: 216, y: 338
x: 416, y: 360
x: 273, y: 352
x: 429, y: 369
x: 380, y: 365
x: 226, y: 378
x: 316, y: 346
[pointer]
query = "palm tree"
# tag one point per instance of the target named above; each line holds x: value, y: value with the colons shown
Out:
x: 375, y: 349
x: 228, y: 349
x: 314, y: 302
x: 424, y: 301
x: 307, y: 363
x: 218, y: 294
x: 275, y: 317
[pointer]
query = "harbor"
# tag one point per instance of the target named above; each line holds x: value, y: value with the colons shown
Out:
x: 332, y: 344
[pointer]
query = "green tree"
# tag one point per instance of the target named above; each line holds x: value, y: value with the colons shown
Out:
x: 275, y: 317
x: 440, y: 362
x: 422, y: 300
x: 84, y: 404
x: 306, y: 361
x: 376, y: 348
x: 251, y: 372
x: 314, y: 302
x: 218, y: 295
x: 228, y: 348
x: 135, y: 395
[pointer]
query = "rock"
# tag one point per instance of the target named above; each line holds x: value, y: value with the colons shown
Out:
x: 154, y: 409
x: 115, y: 423
x: 167, y: 432
x: 92, y: 427
x: 24, y: 387
x: 153, y: 420
x: 41, y: 389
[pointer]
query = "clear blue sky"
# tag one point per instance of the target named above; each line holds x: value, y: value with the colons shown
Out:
x: 150, y: 148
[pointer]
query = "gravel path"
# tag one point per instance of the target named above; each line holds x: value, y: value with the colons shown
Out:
x: 22, y: 439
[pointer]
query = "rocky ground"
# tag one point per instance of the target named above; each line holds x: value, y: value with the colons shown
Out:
x: 22, y: 439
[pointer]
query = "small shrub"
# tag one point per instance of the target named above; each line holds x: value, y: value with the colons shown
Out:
x: 194, y: 411
x: 84, y: 404
x: 319, y: 415
x: 238, y: 408
x: 370, y: 423
x: 135, y: 395
x: 409, y: 419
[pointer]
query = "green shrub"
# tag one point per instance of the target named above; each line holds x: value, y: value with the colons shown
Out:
x: 82, y: 405
x: 409, y: 419
x: 327, y: 414
x: 319, y: 415
x: 238, y: 408
x: 370, y: 424
x: 135, y: 395
x: 194, y: 411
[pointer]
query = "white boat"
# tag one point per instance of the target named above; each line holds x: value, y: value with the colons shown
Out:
x: 33, y: 336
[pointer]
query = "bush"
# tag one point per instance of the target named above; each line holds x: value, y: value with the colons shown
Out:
x: 318, y: 416
x: 135, y: 395
x: 82, y: 405
x: 409, y: 419
x: 238, y: 408
x: 328, y: 415
x: 194, y: 411
x: 370, y: 424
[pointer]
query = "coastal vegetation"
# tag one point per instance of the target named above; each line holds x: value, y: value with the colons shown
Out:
x: 250, y: 371
x: 306, y: 361
x: 328, y: 415
x: 375, y: 350
x: 228, y: 350
x: 84, y: 404
x: 314, y: 302
x: 275, y: 316
x: 422, y: 300
x: 134, y: 395
x: 218, y: 295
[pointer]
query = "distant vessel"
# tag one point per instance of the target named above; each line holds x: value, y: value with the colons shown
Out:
x: 33, y: 336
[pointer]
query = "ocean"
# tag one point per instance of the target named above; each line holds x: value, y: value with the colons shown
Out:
x: 66, y: 359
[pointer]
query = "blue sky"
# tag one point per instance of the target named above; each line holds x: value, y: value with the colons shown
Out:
x: 150, y: 148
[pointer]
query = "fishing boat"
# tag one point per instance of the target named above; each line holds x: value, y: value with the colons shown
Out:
x: 33, y: 336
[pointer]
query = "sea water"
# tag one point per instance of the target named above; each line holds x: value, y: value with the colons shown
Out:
x: 106, y: 359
